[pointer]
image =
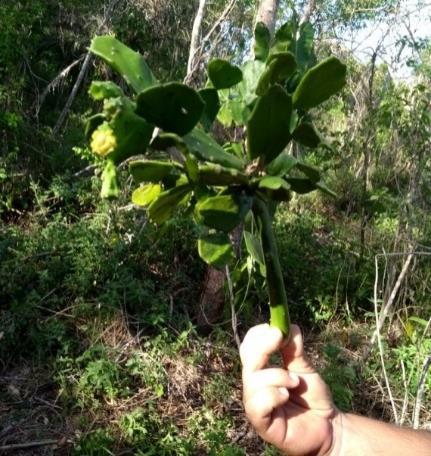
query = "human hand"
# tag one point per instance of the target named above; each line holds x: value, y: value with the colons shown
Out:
x: 291, y: 408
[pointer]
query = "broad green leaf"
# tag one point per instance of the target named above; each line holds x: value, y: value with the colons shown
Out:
x: 99, y: 90
x: 213, y: 174
x: 192, y: 168
x: 319, y: 83
x: 281, y: 165
x: 143, y: 196
x: 252, y: 71
x: 153, y: 170
x: 212, y: 107
x: 273, y: 183
x: 223, y: 212
x: 110, y: 186
x: 268, y: 128
x: 262, y: 39
x: 285, y: 37
x: 279, y: 67
x: 207, y: 149
x: 254, y: 248
x: 306, y: 135
x: 301, y: 185
x: 130, y: 64
x: 304, y: 46
x: 174, y: 107
x: 216, y: 249
x: 164, y: 206
x: 223, y: 74
x: 310, y: 171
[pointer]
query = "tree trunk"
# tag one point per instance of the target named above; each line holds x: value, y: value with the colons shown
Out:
x: 267, y: 13
x: 211, y: 304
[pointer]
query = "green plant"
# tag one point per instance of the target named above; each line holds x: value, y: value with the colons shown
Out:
x: 340, y: 376
x: 223, y: 187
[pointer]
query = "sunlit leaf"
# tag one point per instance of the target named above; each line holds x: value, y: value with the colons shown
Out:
x: 207, y: 149
x: 143, y: 196
x: 166, y: 203
x: 268, y: 128
x: 216, y: 249
x: 319, y: 83
x: 130, y: 64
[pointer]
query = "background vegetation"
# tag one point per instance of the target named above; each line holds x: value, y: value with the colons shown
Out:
x: 100, y: 350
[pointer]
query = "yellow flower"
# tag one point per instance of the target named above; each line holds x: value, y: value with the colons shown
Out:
x: 103, y: 140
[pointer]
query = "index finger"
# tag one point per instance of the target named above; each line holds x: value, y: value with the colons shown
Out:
x: 258, y: 345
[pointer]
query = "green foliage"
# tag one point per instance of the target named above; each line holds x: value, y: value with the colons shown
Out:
x: 259, y: 97
x: 340, y: 376
x: 128, y: 63
x: 223, y: 74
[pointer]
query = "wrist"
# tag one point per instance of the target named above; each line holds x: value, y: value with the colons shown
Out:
x: 337, y: 423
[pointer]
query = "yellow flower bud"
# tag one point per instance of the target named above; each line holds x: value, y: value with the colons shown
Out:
x: 103, y: 140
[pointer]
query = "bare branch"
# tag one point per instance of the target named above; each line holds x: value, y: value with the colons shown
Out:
x: 197, y: 24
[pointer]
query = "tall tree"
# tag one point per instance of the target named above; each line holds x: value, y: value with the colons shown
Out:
x: 267, y: 13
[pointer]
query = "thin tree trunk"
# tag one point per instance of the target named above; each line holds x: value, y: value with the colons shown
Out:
x: 308, y: 12
x: 82, y: 72
x: 194, y: 42
x: 267, y: 13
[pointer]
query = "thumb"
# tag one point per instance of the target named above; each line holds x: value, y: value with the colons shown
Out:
x: 294, y: 356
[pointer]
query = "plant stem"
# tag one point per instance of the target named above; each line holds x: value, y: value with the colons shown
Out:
x: 279, y: 311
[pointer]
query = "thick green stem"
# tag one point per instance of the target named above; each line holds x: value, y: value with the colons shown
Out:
x: 279, y: 312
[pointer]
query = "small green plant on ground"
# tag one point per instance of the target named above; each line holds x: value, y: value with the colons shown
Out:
x: 241, y: 183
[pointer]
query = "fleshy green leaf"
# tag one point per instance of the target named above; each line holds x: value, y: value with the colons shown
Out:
x: 252, y: 71
x: 306, y: 135
x: 164, y: 206
x: 143, y: 196
x: 279, y: 67
x: 310, y: 171
x: 213, y: 174
x: 273, y: 183
x: 319, y: 83
x: 262, y: 39
x: 207, y: 149
x: 284, y: 39
x: 212, y: 107
x: 223, y: 212
x: 174, y: 107
x: 153, y: 170
x: 268, y: 128
x: 130, y: 64
x: 216, y: 249
x: 99, y: 90
x: 281, y: 165
x: 301, y: 185
x: 223, y: 74
x: 254, y: 248
x: 304, y: 46
x: 110, y: 186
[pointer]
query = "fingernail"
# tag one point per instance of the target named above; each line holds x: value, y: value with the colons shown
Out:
x: 283, y: 391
